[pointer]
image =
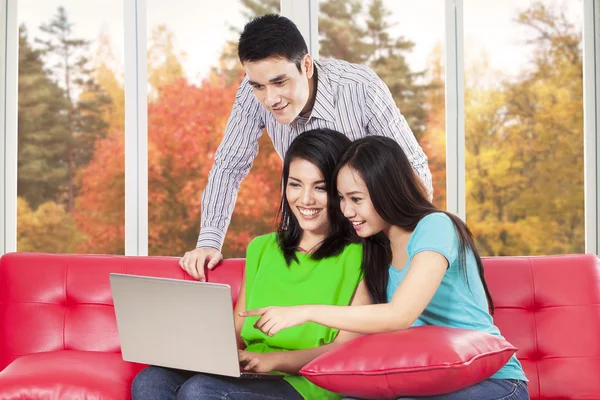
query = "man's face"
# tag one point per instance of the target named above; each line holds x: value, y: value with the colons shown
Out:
x: 280, y: 87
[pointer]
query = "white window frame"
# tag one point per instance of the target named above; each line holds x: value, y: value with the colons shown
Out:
x: 3, y: 23
x: 9, y: 43
x: 455, y: 110
x: 136, y: 129
x: 591, y: 125
x: 305, y: 14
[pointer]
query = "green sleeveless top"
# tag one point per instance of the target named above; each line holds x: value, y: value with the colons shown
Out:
x: 270, y: 282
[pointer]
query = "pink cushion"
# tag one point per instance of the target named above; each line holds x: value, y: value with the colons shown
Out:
x: 421, y: 361
x: 68, y: 374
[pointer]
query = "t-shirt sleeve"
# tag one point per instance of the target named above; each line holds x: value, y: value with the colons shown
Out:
x: 436, y: 232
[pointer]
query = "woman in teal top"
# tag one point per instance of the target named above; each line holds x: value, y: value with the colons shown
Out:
x: 421, y: 266
x: 311, y: 259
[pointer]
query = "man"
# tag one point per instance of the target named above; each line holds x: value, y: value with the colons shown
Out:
x: 288, y: 92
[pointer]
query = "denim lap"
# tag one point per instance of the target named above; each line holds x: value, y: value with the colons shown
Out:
x: 154, y: 383
x: 211, y: 387
x: 158, y: 383
x: 490, y: 389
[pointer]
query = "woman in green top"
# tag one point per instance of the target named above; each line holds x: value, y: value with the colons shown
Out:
x: 421, y: 265
x: 311, y: 259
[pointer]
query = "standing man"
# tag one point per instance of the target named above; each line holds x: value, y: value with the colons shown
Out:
x: 288, y: 92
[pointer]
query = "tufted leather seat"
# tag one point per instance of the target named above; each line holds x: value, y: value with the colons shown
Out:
x: 58, y: 335
x: 58, y: 332
x: 549, y: 308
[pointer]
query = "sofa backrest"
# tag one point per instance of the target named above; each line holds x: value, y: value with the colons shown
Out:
x: 549, y: 307
x: 54, y: 302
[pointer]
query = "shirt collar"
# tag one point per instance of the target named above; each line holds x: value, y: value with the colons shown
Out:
x: 324, y: 107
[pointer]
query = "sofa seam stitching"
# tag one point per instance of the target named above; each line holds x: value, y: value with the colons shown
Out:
x: 66, y: 303
x: 537, y: 369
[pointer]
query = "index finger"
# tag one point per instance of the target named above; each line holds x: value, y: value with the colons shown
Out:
x: 253, y: 313
x: 252, y: 363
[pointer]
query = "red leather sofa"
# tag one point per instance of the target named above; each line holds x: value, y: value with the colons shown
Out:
x: 59, y: 340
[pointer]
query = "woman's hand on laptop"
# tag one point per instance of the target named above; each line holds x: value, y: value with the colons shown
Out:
x: 193, y: 261
x: 274, y: 319
x: 258, y: 362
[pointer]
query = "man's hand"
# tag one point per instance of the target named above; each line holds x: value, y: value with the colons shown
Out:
x: 274, y: 319
x: 258, y: 362
x: 193, y: 261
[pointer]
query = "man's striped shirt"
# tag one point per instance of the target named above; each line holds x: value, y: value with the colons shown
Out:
x: 350, y: 98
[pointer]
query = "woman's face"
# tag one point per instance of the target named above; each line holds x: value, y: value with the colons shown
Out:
x: 306, y: 194
x: 356, y: 204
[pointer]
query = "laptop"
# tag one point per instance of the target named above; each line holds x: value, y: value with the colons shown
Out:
x: 186, y: 325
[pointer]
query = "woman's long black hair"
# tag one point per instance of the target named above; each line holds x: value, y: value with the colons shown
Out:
x: 399, y: 198
x: 322, y: 148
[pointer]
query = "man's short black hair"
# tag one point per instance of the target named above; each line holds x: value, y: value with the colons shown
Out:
x: 274, y: 36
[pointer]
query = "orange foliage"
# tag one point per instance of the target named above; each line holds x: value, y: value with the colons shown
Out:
x: 100, y: 207
x: 433, y: 143
x: 433, y: 140
x: 185, y: 127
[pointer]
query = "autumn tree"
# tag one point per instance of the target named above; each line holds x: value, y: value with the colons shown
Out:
x: 68, y: 57
x: 433, y: 140
x: 43, y: 224
x: 362, y: 35
x: 187, y: 125
x: 49, y: 228
x: 43, y: 134
x: 525, y: 148
x: 100, y: 210
x: 100, y: 206
x: 107, y: 71
x: 341, y: 36
x: 388, y: 61
x: 164, y: 60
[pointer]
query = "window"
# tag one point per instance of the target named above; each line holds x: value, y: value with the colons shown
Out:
x: 524, y: 126
x: 193, y: 75
x: 70, y: 183
x: 389, y: 37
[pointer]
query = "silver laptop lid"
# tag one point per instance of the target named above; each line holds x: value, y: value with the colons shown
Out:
x: 173, y: 323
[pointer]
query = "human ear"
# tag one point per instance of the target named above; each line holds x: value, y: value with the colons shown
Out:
x: 308, y: 66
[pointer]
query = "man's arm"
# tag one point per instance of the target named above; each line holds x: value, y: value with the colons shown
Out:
x: 384, y: 119
x: 233, y: 160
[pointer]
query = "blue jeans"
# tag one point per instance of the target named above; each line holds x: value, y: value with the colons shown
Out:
x: 170, y: 384
x: 490, y: 389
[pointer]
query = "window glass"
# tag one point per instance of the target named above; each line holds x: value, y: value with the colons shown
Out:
x: 193, y: 75
x: 524, y: 126
x: 70, y: 184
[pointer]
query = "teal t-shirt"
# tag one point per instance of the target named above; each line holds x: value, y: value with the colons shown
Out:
x: 270, y: 282
x: 456, y: 303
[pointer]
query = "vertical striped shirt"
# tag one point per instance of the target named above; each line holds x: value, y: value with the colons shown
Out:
x: 350, y: 98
